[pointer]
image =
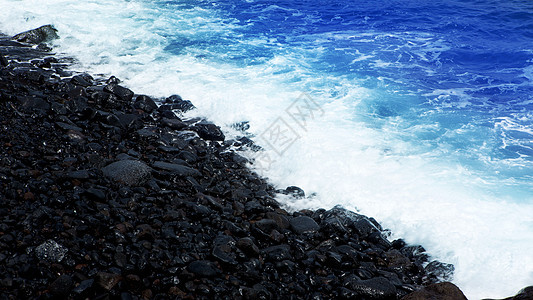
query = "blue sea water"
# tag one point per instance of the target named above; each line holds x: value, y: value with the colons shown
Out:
x: 422, y: 111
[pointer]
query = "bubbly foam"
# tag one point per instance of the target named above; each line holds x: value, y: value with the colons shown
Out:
x: 358, y: 148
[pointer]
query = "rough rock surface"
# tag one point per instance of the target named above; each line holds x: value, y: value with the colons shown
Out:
x: 39, y: 35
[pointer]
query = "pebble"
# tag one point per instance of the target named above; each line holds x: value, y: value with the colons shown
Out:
x: 128, y: 172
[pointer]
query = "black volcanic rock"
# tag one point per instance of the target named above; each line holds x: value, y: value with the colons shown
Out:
x: 203, y: 268
x: 303, y: 224
x: 121, y: 92
x: 145, y: 103
x: 209, y: 131
x: 439, y: 291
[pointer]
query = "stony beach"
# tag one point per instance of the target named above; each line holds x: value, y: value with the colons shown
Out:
x: 107, y: 194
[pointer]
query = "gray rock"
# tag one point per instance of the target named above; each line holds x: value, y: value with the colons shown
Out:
x: 51, y: 251
x: 128, y: 172
x: 39, y: 35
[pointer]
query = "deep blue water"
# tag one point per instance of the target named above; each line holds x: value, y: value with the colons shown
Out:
x: 464, y: 67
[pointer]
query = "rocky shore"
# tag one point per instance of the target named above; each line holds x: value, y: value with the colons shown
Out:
x: 106, y: 194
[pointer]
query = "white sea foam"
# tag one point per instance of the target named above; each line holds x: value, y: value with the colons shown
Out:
x: 380, y: 166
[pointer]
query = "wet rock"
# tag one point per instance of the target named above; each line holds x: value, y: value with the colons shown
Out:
x: 294, y: 191
x: 281, y: 220
x: 303, y: 224
x: 121, y: 92
x: 440, y: 270
x: 128, y: 172
x: 175, y: 124
x: 248, y: 246
x: 84, y: 80
x: 375, y: 288
x: 439, y: 291
x: 145, y: 103
x: 67, y: 127
x: 209, y: 131
x: 278, y: 253
x: 51, y: 251
x: 180, y: 104
x: 32, y: 104
x: 176, y: 169
x: 39, y: 35
x: 266, y: 225
x: 203, y: 268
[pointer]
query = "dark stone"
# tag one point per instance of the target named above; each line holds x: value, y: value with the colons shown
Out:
x: 128, y: 172
x: 121, y: 92
x: 295, y: 192
x: 36, y: 36
x: 266, y: 225
x: 303, y: 224
x: 278, y: 253
x: 440, y: 270
x: 145, y: 103
x: 209, y: 131
x: 61, y: 286
x: 67, y: 127
x: 374, y: 288
x: 79, y: 174
x: 247, y: 245
x: 83, y: 287
x: 179, y: 104
x: 112, y: 80
x: 107, y: 280
x: 203, y: 268
x: 281, y: 220
x: 83, y: 80
x: 3, y: 61
x: 176, y: 169
x: 129, y: 121
x: 175, y: 124
x: 224, y: 255
x: 34, y: 104
x: 442, y: 291
x: 364, y: 227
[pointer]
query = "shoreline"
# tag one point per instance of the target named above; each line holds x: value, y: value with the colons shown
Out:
x: 113, y: 195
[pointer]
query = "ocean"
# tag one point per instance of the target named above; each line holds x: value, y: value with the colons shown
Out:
x: 417, y: 113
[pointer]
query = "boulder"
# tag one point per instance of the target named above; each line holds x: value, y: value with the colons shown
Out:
x: 36, y: 36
